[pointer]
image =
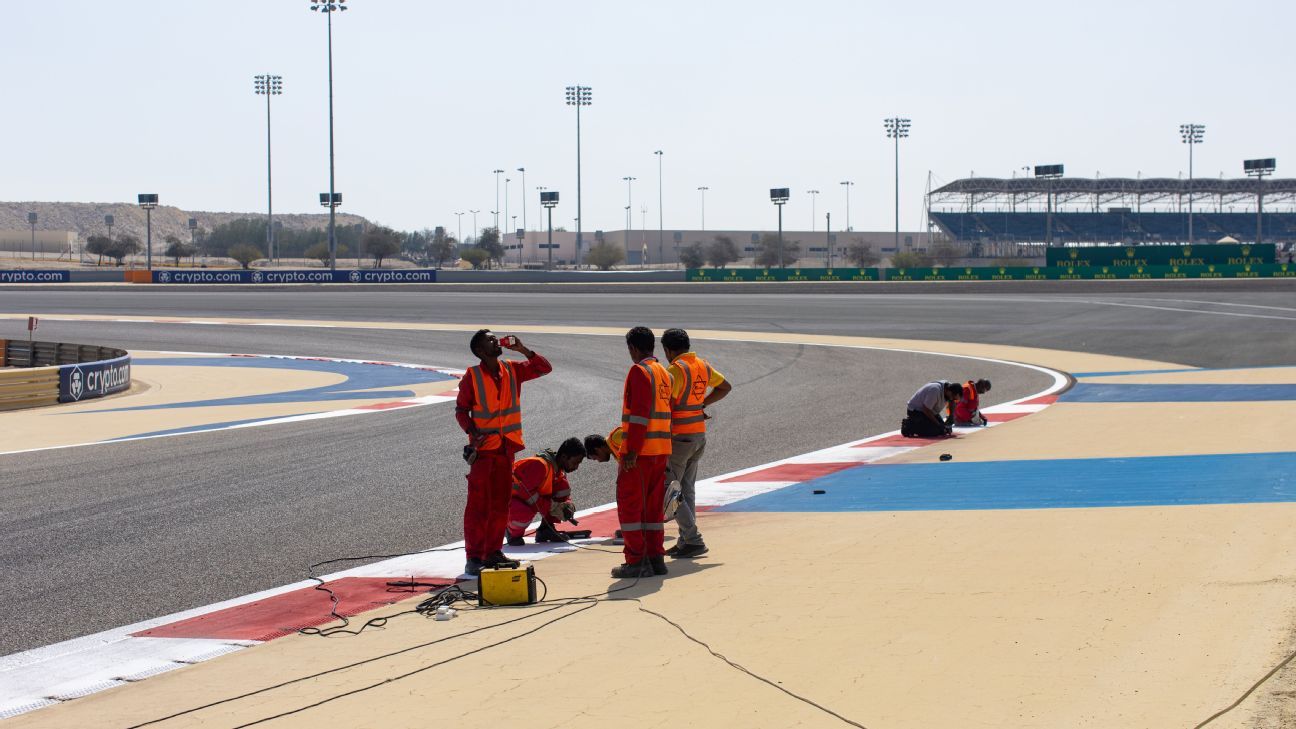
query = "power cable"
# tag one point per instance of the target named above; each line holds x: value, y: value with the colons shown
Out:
x: 1249, y: 691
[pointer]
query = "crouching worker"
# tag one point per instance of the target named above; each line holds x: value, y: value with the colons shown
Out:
x: 923, y: 419
x: 540, y: 487
x: 967, y: 409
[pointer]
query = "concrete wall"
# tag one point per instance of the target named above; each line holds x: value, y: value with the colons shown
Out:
x: 48, y: 241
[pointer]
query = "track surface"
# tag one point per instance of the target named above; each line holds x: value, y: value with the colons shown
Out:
x: 102, y: 536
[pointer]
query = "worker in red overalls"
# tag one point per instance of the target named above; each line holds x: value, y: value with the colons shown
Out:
x: 967, y: 409
x: 641, y: 479
x: 489, y: 410
x: 540, y: 487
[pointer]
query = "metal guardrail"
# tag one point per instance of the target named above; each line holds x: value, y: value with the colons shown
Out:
x: 46, y: 373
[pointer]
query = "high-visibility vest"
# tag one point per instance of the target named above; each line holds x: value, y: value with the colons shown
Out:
x: 616, y: 442
x: 496, y: 411
x: 965, y: 408
x: 657, y: 438
x: 546, y: 486
x: 686, y: 410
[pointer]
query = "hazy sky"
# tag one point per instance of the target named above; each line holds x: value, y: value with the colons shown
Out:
x: 107, y: 99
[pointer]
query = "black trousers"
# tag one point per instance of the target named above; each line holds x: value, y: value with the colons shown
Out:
x: 917, y: 424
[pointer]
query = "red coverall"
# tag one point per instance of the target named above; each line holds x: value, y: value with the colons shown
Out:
x: 640, y: 489
x: 535, y: 490
x: 490, y: 478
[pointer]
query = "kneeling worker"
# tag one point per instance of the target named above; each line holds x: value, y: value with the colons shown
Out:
x: 691, y: 378
x: 540, y: 486
x: 967, y: 409
x: 923, y: 419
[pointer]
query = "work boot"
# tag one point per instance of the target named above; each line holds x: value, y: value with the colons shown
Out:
x: 499, y: 559
x: 675, y: 549
x: 689, y: 551
x: 546, y: 533
x: 632, y: 571
x: 473, y: 567
x: 516, y: 541
x: 658, y: 565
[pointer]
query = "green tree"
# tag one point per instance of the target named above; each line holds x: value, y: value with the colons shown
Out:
x: 693, y: 256
x: 478, y: 257
x: 97, y: 245
x: 768, y: 251
x: 441, y: 247
x: 379, y: 242
x: 245, y: 254
x: 176, y: 249
x: 414, y: 246
x: 945, y: 254
x: 910, y: 259
x: 605, y: 256
x: 722, y: 251
x: 126, y: 245
x: 861, y: 255
x: 320, y: 252
x: 489, y: 241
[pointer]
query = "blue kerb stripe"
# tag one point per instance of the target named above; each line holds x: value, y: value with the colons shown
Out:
x: 1041, y: 484
x: 1104, y: 392
x: 197, y: 428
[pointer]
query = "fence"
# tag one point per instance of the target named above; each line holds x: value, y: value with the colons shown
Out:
x: 46, y: 373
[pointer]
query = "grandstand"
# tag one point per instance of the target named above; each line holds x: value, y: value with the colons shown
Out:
x: 1006, y: 217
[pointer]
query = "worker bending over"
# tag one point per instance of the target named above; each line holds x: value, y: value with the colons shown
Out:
x: 967, y: 409
x: 489, y: 410
x: 641, y: 479
x: 600, y: 449
x: 923, y: 419
x: 540, y: 486
x: 691, y: 377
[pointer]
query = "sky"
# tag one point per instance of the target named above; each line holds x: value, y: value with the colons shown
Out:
x: 108, y: 99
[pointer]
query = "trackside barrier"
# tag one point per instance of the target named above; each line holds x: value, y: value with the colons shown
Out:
x: 34, y: 276
x: 1219, y: 254
x: 52, y: 372
x: 364, y: 275
x: 1004, y: 273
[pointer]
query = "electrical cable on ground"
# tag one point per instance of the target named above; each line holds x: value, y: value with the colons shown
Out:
x: 1254, y: 686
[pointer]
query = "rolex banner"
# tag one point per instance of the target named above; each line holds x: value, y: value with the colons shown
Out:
x: 1218, y: 254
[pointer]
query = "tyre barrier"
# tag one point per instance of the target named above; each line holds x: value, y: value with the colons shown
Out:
x: 48, y: 373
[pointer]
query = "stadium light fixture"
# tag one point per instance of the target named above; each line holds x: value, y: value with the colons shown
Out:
x: 1191, y: 134
x: 848, y: 185
x: 148, y: 201
x: 549, y: 200
x: 1050, y: 173
x: 1258, y: 168
x: 268, y: 85
x: 328, y: 8
x: 579, y: 96
x: 897, y: 129
x: 779, y: 196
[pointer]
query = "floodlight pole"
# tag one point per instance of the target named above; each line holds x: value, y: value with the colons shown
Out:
x: 896, y: 129
x: 1192, y: 135
x: 629, y: 181
x: 779, y: 196
x: 1258, y: 168
x: 814, y: 195
x: 703, y: 190
x: 460, y: 217
x: 476, y: 230
x: 328, y: 7
x: 269, y: 85
x: 31, y: 218
x: 524, y: 206
x: 828, y: 238
x: 661, y: 229
x: 495, y: 212
x: 847, y: 184
x: 579, y: 96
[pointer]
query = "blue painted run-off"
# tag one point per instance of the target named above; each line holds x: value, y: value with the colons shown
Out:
x: 1103, y: 392
x: 193, y: 429
x: 362, y: 380
x: 1049, y: 484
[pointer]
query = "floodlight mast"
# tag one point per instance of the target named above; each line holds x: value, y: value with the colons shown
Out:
x: 268, y: 85
x: 328, y: 8
x: 814, y: 195
x: 703, y: 189
x: 779, y: 196
x: 549, y: 199
x: 1191, y: 134
x: 1050, y: 173
x: 848, y: 184
x: 897, y: 129
x: 1258, y: 168
x: 579, y: 96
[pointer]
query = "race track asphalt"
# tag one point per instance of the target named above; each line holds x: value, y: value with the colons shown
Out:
x: 102, y: 536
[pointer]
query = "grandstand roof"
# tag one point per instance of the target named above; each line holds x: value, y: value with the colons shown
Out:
x: 1114, y: 186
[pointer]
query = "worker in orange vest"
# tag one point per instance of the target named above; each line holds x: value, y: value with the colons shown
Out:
x: 695, y: 384
x: 641, y: 480
x: 600, y: 449
x: 489, y: 410
x: 540, y: 487
x: 967, y: 409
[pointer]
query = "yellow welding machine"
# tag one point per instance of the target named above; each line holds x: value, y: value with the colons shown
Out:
x: 507, y: 585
